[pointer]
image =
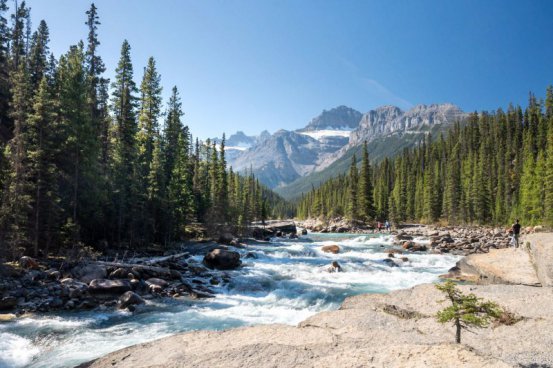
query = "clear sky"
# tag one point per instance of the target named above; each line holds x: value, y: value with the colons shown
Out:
x: 269, y: 64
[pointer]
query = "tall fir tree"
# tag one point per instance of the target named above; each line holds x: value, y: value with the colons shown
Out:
x: 366, y: 200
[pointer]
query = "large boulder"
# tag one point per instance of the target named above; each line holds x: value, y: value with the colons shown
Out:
x: 334, y: 249
x: 222, y: 259
x: 28, y: 263
x: 102, y: 288
x: 226, y: 238
x: 129, y: 299
x: 88, y: 272
x: 8, y: 302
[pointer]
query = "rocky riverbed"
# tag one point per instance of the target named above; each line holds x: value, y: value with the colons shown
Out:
x: 398, y: 329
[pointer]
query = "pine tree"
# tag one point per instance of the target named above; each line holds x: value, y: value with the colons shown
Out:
x: 172, y: 131
x: 366, y: 201
x: 16, y: 202
x: 5, y: 124
x: 180, y: 189
x: 39, y: 55
x: 125, y: 147
x: 42, y: 153
x: 353, y: 204
x: 548, y: 181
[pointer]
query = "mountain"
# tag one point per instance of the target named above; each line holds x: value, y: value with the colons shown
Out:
x: 387, y: 130
x: 292, y: 161
x: 285, y: 156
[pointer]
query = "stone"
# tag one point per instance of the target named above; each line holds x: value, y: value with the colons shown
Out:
x: 222, y: 259
x: 89, y: 272
x: 128, y: 299
x: 226, y: 238
x: 403, y: 236
x: 158, y: 282
x: 28, y: 263
x: 408, y: 245
x: 389, y: 262
x: 8, y: 302
x: 304, y: 232
x: 334, y: 249
x: 7, y: 317
x: 102, y: 288
x: 334, y: 267
x: 120, y: 273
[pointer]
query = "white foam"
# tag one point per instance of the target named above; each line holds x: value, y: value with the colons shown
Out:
x: 16, y: 351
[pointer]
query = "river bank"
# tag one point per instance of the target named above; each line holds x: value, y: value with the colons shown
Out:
x: 282, y: 281
x: 380, y: 330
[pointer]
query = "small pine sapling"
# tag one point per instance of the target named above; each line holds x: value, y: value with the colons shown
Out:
x: 466, y: 310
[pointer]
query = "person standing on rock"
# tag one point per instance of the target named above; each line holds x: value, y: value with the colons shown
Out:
x: 516, y: 232
x: 387, y: 225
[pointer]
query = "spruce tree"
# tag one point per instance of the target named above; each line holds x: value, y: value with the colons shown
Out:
x: 353, y: 204
x: 5, y: 125
x: 366, y: 201
x: 39, y: 55
x: 125, y: 147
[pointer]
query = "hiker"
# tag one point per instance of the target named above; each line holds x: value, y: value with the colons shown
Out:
x: 379, y: 226
x: 387, y: 225
x: 516, y: 232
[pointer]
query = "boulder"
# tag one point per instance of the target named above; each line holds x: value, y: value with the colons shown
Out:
x: 28, y: 263
x: 226, y: 238
x: 102, y: 288
x: 334, y: 267
x: 390, y: 262
x: 334, y: 249
x: 157, y: 282
x: 88, y: 272
x: 7, y: 317
x: 120, y: 273
x: 129, y: 299
x: 222, y: 259
x: 403, y: 236
x: 304, y: 232
x: 538, y: 229
x: 8, y: 302
x: 419, y: 248
x: 408, y: 245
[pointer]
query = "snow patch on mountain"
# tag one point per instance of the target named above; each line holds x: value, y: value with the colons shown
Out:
x: 320, y: 134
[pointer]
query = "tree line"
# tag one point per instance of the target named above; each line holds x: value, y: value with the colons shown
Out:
x: 86, y: 161
x: 490, y: 169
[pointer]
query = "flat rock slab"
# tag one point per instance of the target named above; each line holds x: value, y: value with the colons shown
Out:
x: 502, y: 266
x: 541, y: 250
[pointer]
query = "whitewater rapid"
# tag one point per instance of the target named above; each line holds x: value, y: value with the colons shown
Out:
x: 282, y: 282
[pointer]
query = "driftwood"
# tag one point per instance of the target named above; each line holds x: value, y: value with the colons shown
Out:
x: 160, y: 270
x: 173, y: 257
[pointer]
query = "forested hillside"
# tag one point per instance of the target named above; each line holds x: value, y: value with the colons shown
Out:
x: 497, y: 167
x: 82, y: 166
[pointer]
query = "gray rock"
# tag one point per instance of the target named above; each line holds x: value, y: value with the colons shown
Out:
x: 89, y: 272
x: 222, y: 259
x: 8, y: 302
x: 102, y: 288
x: 128, y: 299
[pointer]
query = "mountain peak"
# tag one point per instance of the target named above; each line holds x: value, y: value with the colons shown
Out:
x: 337, y: 118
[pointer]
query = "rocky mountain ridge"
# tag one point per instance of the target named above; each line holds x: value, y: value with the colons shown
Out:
x: 284, y: 157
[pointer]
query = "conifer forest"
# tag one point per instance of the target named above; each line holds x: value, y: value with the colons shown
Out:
x: 491, y: 169
x: 82, y: 166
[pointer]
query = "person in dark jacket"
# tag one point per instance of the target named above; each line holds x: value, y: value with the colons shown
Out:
x: 516, y: 232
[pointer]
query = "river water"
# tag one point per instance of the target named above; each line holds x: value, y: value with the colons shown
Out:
x: 286, y: 283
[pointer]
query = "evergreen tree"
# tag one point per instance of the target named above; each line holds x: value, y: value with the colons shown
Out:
x: 125, y: 147
x: 353, y: 204
x: 366, y: 201
x: 39, y: 55
x: 5, y: 125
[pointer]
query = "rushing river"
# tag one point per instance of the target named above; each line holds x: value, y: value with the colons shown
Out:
x: 286, y: 283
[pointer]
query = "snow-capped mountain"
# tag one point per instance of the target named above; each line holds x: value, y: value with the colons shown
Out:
x: 287, y: 156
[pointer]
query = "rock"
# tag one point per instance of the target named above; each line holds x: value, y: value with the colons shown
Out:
x: 391, y: 255
x: 408, y: 245
x: 405, y: 259
x: 8, y: 302
x: 7, y: 317
x: 157, y: 282
x: 102, y: 288
x: 538, y: 229
x: 120, y: 273
x: 222, y: 259
x: 53, y: 274
x: 226, y: 238
x: 334, y: 249
x: 293, y: 236
x: 304, y: 232
x: 89, y: 272
x: 28, y: 263
x: 389, y: 262
x: 403, y: 236
x: 419, y: 248
x: 129, y: 298
x: 251, y: 255
x: 334, y: 267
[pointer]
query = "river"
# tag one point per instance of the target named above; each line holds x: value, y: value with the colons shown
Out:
x: 286, y: 283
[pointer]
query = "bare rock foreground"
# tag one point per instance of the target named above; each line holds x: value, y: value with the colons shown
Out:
x: 392, y: 330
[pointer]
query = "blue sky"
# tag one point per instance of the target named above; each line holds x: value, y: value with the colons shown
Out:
x: 263, y: 64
